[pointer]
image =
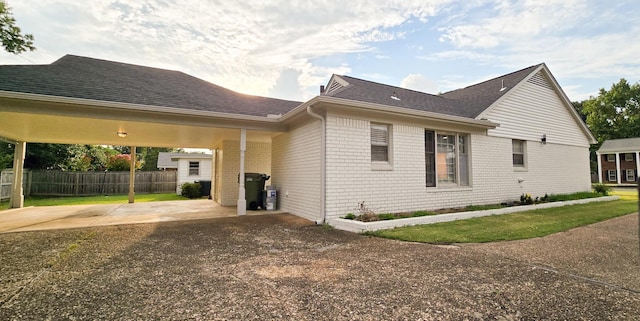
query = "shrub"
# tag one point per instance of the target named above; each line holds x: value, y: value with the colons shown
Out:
x: 602, y: 189
x: 350, y: 216
x: 191, y: 190
x: 526, y: 199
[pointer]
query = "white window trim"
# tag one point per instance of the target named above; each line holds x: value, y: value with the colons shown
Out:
x: 628, y: 157
x: 610, y: 173
x: 453, y: 186
x: 388, y: 164
x: 189, y: 168
x: 611, y: 158
x: 525, y: 163
x: 633, y: 175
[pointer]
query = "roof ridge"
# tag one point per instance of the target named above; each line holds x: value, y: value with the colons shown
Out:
x: 386, y: 85
x: 495, y: 78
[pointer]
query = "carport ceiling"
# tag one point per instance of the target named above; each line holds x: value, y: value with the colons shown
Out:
x: 64, y: 123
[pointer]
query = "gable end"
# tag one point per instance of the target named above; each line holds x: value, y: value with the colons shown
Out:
x: 540, y: 80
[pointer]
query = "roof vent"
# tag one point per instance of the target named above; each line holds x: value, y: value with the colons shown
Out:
x: 321, y: 89
x: 394, y: 96
x: 503, y: 87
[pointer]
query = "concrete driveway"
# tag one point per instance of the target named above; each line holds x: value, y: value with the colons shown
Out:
x: 281, y: 267
x: 77, y: 216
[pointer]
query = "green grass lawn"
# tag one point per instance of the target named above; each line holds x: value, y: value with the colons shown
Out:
x: 516, y: 226
x: 53, y: 201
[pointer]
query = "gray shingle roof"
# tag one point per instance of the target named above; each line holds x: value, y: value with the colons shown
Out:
x: 480, y: 96
x: 88, y: 78
x: 466, y: 102
x: 620, y: 145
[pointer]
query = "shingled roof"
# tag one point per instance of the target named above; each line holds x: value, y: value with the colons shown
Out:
x: 89, y: 78
x: 467, y: 102
x: 620, y: 145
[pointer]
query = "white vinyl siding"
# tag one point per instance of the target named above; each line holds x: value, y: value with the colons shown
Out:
x: 530, y: 111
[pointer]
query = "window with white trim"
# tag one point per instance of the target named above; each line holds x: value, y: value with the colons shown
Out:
x: 519, y: 147
x: 446, y: 159
x: 611, y: 176
x: 611, y: 158
x: 628, y: 157
x: 631, y: 175
x: 380, y: 143
x: 194, y: 168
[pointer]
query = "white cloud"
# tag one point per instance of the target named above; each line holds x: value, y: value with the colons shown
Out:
x: 245, y: 46
x: 419, y: 83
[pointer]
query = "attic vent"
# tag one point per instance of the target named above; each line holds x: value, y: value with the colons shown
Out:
x: 333, y: 86
x: 540, y: 80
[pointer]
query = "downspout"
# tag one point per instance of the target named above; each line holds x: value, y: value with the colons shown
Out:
x: 323, y: 165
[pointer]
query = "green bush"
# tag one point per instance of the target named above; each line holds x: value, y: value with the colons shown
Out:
x: 191, y: 190
x: 602, y: 189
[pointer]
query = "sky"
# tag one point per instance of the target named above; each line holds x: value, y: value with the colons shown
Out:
x: 287, y: 49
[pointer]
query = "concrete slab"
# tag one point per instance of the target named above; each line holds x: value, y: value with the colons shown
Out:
x: 77, y: 216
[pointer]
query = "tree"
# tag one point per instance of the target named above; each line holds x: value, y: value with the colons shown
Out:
x: 11, y: 36
x: 614, y: 113
x: 6, y: 155
x: 150, y: 156
x: 121, y: 162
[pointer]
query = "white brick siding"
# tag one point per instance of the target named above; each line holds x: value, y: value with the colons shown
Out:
x: 296, y: 167
x: 257, y: 160
x: 351, y: 178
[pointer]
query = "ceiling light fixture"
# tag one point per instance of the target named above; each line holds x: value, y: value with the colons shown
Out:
x: 121, y: 134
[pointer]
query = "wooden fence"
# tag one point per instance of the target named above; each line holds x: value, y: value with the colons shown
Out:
x: 58, y: 183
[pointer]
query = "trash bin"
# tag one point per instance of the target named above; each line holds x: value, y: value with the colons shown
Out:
x: 270, y: 198
x: 253, y: 186
x: 205, y: 188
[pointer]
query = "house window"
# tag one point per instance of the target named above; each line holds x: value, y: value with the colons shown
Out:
x: 519, y: 147
x: 631, y: 175
x: 611, y: 158
x: 628, y: 157
x: 446, y: 159
x: 379, y: 143
x: 611, y: 176
x: 194, y: 168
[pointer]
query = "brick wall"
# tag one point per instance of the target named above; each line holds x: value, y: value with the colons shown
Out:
x: 296, y: 167
x: 351, y: 177
x: 257, y: 160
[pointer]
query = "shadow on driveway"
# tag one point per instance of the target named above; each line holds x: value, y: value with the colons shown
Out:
x: 283, y: 267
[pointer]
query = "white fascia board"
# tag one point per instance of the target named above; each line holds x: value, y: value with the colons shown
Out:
x: 132, y: 107
x: 485, y: 124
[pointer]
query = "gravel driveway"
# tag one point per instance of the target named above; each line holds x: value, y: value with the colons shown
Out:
x: 275, y: 267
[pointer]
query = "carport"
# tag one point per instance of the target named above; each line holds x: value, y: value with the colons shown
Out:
x: 78, y: 100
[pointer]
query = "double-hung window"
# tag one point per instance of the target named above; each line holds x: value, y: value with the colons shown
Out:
x: 631, y: 175
x: 446, y: 159
x: 380, y: 143
x: 194, y: 168
x: 519, y: 147
x: 612, y: 176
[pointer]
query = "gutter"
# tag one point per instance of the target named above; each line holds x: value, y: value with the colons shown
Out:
x: 136, y: 107
x: 323, y: 166
x: 485, y: 124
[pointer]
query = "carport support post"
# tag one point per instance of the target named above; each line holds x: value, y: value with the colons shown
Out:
x: 132, y: 175
x: 242, y: 202
x: 17, y: 193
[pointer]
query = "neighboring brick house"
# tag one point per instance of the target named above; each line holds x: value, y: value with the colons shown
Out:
x: 618, y: 161
x: 358, y: 141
